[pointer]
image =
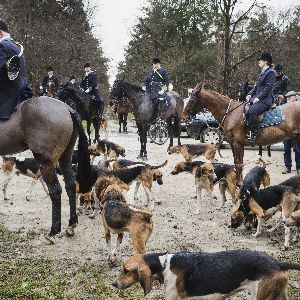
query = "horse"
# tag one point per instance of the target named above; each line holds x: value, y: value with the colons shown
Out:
x: 229, y: 114
x: 144, y: 111
x: 122, y: 108
x: 85, y: 105
x: 49, y: 128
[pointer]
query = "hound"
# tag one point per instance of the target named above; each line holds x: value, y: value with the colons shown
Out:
x: 189, y: 151
x: 118, y: 217
x: 225, y: 176
x: 264, y: 203
x: 109, y: 149
x: 26, y: 166
x: 204, y: 275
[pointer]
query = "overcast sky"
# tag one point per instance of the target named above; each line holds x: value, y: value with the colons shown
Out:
x: 114, y: 20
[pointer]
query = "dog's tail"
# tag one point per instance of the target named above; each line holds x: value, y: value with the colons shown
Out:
x: 289, y: 266
x: 141, y: 211
x: 160, y: 166
x: 84, y: 167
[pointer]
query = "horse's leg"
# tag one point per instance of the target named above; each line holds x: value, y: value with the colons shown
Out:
x: 70, y: 185
x: 145, y: 131
x: 120, y: 117
x: 88, y: 128
x: 269, y: 150
x: 140, y: 130
x: 54, y: 188
x: 260, y: 150
x: 125, y: 122
x: 238, y: 155
x: 171, y: 131
x: 96, y: 124
x: 178, y: 130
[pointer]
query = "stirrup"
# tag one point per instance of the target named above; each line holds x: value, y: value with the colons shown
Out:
x: 251, y: 136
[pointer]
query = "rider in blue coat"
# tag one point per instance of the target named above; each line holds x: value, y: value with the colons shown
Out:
x: 156, y: 82
x: 50, y: 77
x: 11, y: 88
x: 261, y: 97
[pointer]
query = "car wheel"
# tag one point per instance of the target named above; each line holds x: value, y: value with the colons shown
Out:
x: 212, y: 135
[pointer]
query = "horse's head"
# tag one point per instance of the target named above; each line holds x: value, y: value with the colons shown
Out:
x: 117, y: 91
x: 194, y: 103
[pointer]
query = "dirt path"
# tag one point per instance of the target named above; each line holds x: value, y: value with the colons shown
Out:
x: 76, y: 268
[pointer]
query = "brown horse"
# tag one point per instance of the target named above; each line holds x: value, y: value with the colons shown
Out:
x: 229, y: 114
x: 49, y: 128
x: 122, y: 108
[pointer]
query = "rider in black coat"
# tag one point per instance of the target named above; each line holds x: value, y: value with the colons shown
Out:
x: 157, y: 80
x: 281, y: 85
x: 89, y: 84
x: 47, y: 78
x: 11, y: 90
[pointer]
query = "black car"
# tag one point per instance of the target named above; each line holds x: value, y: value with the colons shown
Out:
x: 204, y: 127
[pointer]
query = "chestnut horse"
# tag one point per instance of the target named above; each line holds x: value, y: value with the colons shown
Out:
x: 229, y: 114
x: 49, y: 128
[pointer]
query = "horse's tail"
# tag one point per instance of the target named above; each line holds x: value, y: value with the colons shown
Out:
x: 84, y: 167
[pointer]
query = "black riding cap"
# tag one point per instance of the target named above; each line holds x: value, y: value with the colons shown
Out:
x: 3, y: 26
x: 278, y: 67
x: 50, y: 69
x: 72, y: 77
x: 266, y: 57
x: 156, y: 60
x: 87, y: 65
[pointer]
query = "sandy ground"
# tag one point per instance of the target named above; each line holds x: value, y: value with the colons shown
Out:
x: 176, y: 226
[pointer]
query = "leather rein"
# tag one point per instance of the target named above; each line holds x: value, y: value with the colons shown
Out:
x: 227, y: 110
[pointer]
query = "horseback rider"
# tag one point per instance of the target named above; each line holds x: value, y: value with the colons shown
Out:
x: 156, y: 82
x: 72, y: 83
x: 261, y: 97
x: 13, y: 83
x: 50, y: 77
x: 89, y: 85
x: 281, y: 86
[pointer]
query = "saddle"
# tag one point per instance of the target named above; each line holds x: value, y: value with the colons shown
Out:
x: 270, y: 117
x: 164, y: 103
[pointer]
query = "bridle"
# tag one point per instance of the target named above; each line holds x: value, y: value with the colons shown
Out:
x: 228, y: 110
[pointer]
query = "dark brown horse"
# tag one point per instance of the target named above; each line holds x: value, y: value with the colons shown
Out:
x: 229, y: 114
x: 49, y: 128
x: 122, y: 108
x: 144, y: 111
x: 85, y: 105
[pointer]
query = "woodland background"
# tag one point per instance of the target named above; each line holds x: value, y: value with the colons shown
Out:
x: 212, y: 41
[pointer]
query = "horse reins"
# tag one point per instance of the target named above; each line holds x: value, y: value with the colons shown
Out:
x: 227, y: 110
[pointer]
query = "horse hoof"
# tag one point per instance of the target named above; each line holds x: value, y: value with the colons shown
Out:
x: 70, y: 231
x: 145, y: 158
x: 49, y: 240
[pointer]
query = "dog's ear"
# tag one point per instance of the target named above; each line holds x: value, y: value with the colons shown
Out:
x: 154, y: 177
x: 145, y: 278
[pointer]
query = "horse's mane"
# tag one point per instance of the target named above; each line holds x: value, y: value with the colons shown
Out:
x: 136, y: 87
x: 223, y: 97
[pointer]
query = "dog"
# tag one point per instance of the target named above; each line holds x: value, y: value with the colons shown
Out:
x: 118, y: 217
x: 265, y: 202
x: 143, y: 174
x: 102, y: 183
x: 189, y: 151
x: 25, y: 166
x: 109, y: 149
x: 225, y: 176
x: 254, y: 178
x: 208, y: 275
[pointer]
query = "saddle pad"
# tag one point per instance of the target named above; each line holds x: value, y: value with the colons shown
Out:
x: 271, y: 117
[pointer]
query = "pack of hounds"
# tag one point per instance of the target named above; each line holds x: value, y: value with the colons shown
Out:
x: 185, y: 275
